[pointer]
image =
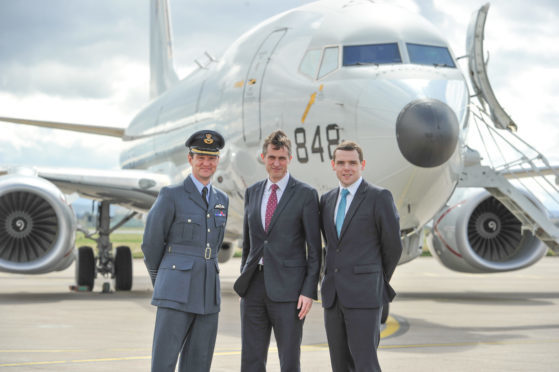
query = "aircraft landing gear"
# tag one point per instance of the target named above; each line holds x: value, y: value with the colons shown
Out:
x: 118, y: 267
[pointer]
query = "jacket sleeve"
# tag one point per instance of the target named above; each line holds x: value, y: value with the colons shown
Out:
x: 388, y: 225
x: 158, y: 223
x: 246, y: 234
x: 311, y: 224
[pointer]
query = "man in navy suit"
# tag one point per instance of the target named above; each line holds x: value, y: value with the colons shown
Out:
x: 184, y: 231
x: 281, y: 260
x: 361, y: 229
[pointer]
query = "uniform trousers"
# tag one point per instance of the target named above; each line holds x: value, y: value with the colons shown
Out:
x: 191, y: 335
x: 259, y: 315
x: 353, y: 337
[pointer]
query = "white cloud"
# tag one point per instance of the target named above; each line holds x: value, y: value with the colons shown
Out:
x: 63, y: 64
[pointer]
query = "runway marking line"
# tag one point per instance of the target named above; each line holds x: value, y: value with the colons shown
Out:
x: 41, y: 351
x: 303, y: 347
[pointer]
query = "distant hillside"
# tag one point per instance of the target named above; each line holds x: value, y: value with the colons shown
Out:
x: 86, y: 210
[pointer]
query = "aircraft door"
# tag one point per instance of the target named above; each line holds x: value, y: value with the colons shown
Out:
x: 252, y: 126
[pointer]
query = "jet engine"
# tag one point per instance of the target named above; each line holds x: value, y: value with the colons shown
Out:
x: 37, y: 226
x: 480, y: 235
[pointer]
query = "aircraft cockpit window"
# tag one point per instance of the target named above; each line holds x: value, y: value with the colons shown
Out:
x: 374, y: 54
x: 310, y: 63
x: 329, y: 61
x: 430, y: 55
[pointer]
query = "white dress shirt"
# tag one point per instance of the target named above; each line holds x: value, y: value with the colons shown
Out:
x: 282, y: 184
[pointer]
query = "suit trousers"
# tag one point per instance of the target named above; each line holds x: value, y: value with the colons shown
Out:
x: 259, y: 315
x: 191, y: 335
x: 353, y: 337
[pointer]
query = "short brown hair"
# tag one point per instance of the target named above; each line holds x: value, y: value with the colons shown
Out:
x: 277, y: 139
x: 349, y: 146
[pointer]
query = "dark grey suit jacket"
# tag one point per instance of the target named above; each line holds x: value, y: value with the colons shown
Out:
x: 291, y: 248
x: 360, y: 263
x: 179, y: 230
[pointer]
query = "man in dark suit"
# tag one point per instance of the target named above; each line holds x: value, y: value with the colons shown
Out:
x: 281, y: 260
x: 361, y: 228
x: 184, y: 231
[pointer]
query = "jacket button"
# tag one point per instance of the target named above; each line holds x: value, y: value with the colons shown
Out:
x: 208, y: 230
x: 208, y: 215
x: 175, y: 267
x: 265, y: 242
x: 189, y: 220
x: 338, y: 250
x: 336, y: 270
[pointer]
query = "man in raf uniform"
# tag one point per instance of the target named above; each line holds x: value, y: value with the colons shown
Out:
x: 184, y: 231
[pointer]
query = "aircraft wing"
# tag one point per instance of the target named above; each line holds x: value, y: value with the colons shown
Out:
x: 133, y: 189
x: 84, y: 128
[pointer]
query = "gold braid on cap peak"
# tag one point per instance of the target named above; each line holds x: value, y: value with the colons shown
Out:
x: 196, y: 151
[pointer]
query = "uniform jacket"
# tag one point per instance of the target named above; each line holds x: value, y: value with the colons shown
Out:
x: 181, y: 241
x: 291, y: 248
x: 360, y: 263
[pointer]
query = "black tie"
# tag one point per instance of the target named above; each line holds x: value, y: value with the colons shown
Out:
x: 204, y: 194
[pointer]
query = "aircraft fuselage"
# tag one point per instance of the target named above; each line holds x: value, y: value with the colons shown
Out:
x: 322, y: 73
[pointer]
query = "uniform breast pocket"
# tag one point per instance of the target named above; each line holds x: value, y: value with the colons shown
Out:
x: 220, y: 221
x: 189, y: 227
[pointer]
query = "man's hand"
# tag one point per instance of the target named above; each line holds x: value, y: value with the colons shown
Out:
x: 304, y: 305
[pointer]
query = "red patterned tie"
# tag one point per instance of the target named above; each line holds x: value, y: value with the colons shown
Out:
x: 272, y: 204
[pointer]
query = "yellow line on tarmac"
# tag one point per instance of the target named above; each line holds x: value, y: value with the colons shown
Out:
x: 73, y: 361
x: 41, y: 351
x: 303, y: 347
x: 392, y: 326
x: 472, y: 343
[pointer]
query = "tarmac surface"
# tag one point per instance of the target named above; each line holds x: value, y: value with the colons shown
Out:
x: 440, y: 321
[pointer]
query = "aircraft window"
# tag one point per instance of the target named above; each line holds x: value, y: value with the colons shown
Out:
x: 329, y: 61
x: 310, y: 63
x: 376, y: 54
x: 430, y: 55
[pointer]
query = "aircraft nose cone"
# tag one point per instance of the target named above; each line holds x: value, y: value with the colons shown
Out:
x: 427, y: 132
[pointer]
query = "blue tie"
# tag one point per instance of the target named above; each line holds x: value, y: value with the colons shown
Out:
x: 341, y: 211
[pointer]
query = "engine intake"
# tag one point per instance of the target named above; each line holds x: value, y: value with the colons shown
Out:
x: 37, y: 226
x: 480, y: 235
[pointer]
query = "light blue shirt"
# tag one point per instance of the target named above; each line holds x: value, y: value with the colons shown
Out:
x: 349, y: 198
x: 199, y: 186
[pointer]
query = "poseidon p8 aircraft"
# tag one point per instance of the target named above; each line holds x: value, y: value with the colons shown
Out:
x: 324, y: 72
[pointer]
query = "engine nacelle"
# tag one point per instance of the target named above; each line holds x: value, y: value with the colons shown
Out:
x: 480, y: 235
x: 37, y: 226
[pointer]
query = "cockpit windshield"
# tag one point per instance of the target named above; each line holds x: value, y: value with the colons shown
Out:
x: 376, y: 54
x: 430, y: 55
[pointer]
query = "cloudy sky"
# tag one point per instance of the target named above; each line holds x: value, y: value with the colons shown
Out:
x: 86, y: 62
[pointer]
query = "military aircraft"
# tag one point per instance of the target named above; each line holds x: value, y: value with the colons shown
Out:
x: 322, y: 72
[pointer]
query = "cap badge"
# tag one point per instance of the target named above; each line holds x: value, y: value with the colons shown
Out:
x: 208, y: 140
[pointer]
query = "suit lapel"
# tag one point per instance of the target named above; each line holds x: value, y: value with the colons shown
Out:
x: 258, y: 204
x: 329, y: 215
x: 193, y: 193
x: 287, y: 194
x: 355, y: 203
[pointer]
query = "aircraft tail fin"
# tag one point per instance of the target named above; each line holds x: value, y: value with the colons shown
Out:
x: 162, y: 70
